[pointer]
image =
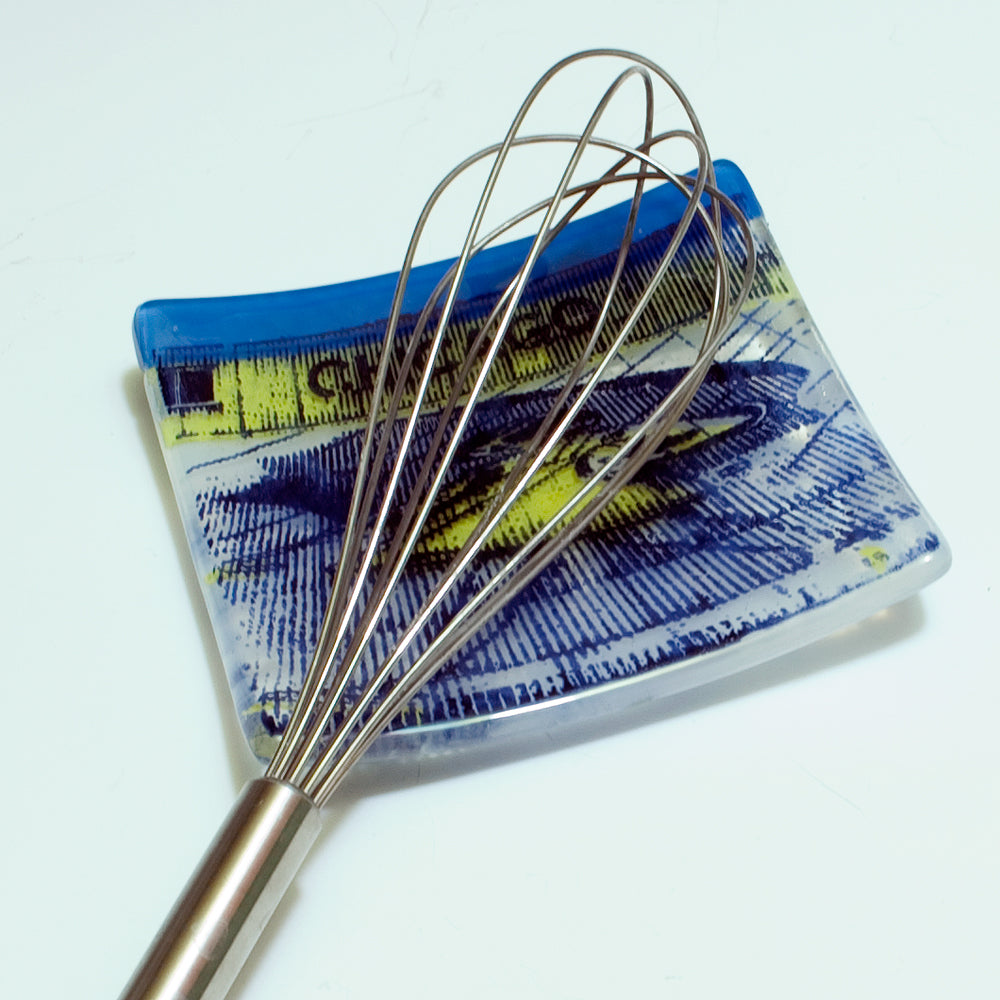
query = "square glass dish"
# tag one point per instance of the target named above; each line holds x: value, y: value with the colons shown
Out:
x: 771, y: 516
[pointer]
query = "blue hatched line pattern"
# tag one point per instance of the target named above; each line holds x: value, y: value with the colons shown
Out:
x: 773, y: 498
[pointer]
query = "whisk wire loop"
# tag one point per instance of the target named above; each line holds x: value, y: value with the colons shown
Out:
x: 349, y: 626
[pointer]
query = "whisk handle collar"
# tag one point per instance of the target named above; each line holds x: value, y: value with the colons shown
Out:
x: 215, y: 923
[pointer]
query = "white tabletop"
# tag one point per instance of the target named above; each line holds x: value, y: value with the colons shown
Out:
x: 824, y: 826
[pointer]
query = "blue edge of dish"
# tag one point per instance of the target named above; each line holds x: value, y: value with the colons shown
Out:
x: 240, y: 325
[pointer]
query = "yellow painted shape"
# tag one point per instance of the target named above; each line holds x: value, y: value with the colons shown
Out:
x: 875, y: 557
x: 268, y: 393
x: 555, y: 486
x: 681, y: 438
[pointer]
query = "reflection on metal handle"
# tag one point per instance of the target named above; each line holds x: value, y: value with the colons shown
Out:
x: 231, y: 896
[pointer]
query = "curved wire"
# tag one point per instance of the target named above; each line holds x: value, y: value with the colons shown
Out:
x: 312, y: 753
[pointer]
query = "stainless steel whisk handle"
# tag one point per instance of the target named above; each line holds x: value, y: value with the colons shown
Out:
x: 226, y: 904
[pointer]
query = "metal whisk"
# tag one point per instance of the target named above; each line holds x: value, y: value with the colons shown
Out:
x: 419, y: 418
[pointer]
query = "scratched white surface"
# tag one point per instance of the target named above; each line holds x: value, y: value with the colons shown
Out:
x: 825, y: 826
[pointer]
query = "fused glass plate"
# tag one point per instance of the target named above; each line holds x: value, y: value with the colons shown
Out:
x: 772, y: 515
